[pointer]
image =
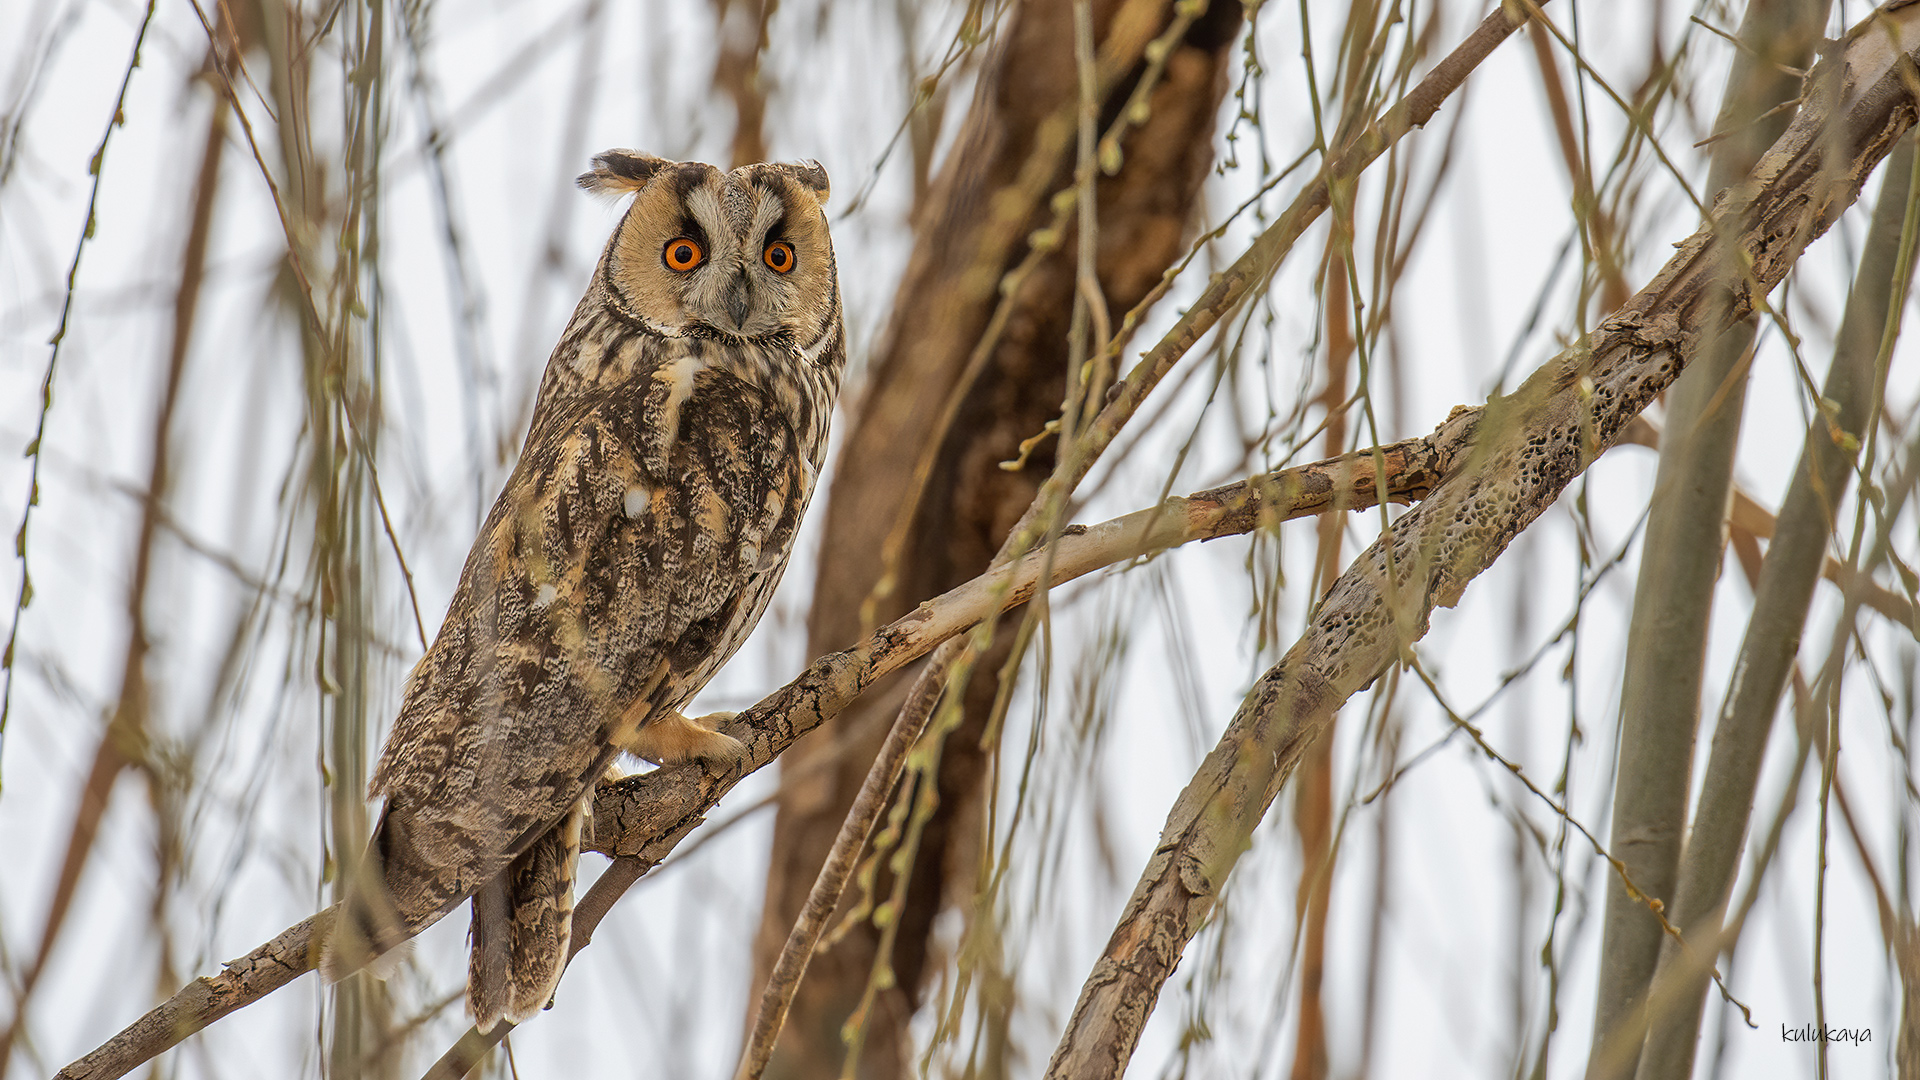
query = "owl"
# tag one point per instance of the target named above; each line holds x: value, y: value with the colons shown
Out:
x: 675, y: 440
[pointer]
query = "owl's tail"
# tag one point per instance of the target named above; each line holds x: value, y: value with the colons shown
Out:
x: 522, y: 923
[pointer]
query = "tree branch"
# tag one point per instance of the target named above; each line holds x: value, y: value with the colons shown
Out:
x: 1529, y: 447
x: 640, y: 819
x: 1537, y: 441
x: 977, y: 355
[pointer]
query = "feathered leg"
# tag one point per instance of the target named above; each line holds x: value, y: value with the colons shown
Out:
x: 522, y: 922
x: 670, y: 738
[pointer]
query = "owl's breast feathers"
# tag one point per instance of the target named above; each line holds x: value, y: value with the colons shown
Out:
x: 634, y: 546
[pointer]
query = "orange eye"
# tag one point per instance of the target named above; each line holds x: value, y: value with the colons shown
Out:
x: 682, y: 254
x: 779, y: 256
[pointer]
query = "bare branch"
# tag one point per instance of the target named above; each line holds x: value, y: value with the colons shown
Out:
x: 96, y: 166
x: 1531, y: 446
x: 648, y: 815
x: 640, y: 819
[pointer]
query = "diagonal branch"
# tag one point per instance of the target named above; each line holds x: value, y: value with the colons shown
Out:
x: 1530, y: 446
x: 640, y: 819
x: 652, y: 813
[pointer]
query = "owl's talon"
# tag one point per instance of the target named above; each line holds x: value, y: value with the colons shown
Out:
x: 673, y: 739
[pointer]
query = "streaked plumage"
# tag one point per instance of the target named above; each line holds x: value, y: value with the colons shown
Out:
x: 675, y: 441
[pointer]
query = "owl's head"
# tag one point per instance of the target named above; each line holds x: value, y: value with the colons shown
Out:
x: 741, y: 254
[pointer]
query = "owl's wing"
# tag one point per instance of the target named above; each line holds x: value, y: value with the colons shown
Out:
x: 630, y: 551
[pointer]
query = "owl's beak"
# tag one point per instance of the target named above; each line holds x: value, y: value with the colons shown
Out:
x: 739, y: 291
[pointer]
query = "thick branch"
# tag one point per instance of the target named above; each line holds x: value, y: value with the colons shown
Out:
x: 1530, y: 446
x: 204, y: 1000
x: 646, y: 815
x: 642, y: 818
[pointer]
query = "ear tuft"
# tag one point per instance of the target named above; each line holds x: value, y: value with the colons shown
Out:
x: 619, y: 171
x: 809, y: 175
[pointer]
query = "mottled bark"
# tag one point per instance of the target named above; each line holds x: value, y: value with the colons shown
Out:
x: 1529, y: 445
x: 935, y: 530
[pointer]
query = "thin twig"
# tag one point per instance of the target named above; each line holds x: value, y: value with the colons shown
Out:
x: 824, y: 897
x: 123, y: 744
x: 96, y: 166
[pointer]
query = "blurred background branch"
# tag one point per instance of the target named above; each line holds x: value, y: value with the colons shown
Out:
x: 332, y: 242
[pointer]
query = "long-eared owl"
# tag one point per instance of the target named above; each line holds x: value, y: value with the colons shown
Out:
x: 678, y: 431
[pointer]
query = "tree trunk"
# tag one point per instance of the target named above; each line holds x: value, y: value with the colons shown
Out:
x: 882, y: 554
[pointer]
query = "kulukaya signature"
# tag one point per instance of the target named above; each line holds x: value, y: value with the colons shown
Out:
x: 1810, y: 1033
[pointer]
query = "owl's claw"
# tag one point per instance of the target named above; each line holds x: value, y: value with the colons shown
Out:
x: 673, y: 739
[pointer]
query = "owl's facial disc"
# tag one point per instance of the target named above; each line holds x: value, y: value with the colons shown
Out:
x: 741, y: 255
